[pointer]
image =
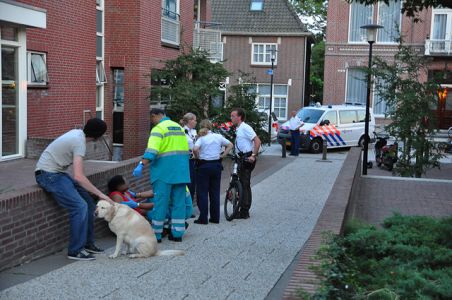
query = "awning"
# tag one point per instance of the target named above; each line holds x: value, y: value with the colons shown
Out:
x: 23, y: 14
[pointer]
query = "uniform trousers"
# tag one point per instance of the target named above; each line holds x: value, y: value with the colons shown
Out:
x: 295, y: 141
x: 208, y: 188
x: 245, y: 178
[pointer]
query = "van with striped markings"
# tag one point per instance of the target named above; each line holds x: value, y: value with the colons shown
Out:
x: 338, y: 125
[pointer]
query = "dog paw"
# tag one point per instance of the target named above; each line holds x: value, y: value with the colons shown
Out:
x: 113, y: 256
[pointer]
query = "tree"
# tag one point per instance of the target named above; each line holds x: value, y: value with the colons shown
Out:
x: 313, y: 14
x: 317, y: 67
x: 410, y: 104
x: 412, y: 7
x: 244, y: 95
x: 191, y: 82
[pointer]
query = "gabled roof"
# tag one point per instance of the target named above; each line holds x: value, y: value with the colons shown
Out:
x: 278, y: 16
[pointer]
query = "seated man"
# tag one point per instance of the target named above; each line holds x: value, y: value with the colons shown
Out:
x: 120, y: 193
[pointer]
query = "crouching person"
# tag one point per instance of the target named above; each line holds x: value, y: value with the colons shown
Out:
x: 72, y: 193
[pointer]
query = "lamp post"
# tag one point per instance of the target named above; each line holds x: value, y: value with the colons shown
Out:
x: 371, y: 37
x: 273, y: 57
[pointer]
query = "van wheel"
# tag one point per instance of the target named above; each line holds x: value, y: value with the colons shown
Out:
x: 316, y: 146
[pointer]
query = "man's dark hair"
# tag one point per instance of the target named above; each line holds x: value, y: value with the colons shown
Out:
x: 240, y: 113
x: 95, y: 128
x: 114, y: 182
x: 157, y: 111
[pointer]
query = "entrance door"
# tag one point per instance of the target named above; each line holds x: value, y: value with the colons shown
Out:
x: 9, y: 127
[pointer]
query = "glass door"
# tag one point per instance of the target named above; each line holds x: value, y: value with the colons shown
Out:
x: 9, y: 101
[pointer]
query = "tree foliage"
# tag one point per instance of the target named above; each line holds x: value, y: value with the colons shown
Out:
x: 313, y: 14
x: 243, y: 95
x: 412, y: 7
x: 191, y: 83
x: 410, y: 103
x: 317, y: 68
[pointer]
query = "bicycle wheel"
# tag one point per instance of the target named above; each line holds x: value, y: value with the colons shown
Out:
x: 232, y: 200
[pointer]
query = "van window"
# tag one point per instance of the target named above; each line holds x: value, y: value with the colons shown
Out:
x: 362, y: 116
x: 331, y: 116
x: 309, y: 115
x: 348, y: 116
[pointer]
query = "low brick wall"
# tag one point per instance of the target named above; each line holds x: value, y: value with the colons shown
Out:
x: 33, y: 225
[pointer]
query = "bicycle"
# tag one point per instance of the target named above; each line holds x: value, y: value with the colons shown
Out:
x: 234, y: 192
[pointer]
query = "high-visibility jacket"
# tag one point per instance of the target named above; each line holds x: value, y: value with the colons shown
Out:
x: 168, y: 153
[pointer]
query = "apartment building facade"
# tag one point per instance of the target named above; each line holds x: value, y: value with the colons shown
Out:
x: 252, y: 32
x: 346, y: 50
x: 63, y: 62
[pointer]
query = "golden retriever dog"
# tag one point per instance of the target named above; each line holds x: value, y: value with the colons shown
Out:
x: 132, y: 229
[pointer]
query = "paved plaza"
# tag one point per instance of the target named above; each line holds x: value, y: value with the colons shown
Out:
x: 242, y: 259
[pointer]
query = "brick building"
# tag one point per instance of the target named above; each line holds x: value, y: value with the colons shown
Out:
x: 65, y: 61
x: 251, y: 31
x: 346, y: 49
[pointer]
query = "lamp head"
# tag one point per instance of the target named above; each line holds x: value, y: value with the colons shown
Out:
x: 371, y: 30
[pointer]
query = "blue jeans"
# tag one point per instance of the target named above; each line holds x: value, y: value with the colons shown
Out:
x: 71, y: 196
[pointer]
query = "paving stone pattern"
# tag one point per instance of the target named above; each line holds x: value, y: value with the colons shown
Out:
x: 242, y: 259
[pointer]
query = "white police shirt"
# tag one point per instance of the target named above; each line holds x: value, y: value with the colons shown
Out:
x: 191, y: 137
x: 244, y: 138
x: 211, y: 146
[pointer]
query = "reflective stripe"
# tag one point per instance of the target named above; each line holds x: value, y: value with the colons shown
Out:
x: 173, y: 153
x: 178, y: 228
x: 158, y: 134
x: 178, y: 221
x: 174, y: 133
x: 154, y: 222
x: 152, y: 151
x: 158, y: 230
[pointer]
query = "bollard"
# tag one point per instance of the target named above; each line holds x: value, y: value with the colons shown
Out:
x: 324, y: 150
x: 283, y: 147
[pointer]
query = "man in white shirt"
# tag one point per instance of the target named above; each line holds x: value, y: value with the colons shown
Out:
x: 295, y: 123
x: 247, y: 143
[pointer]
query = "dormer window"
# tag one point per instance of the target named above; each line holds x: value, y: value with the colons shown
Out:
x: 257, y: 5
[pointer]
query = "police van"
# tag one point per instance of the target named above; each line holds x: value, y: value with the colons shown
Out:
x: 338, y: 125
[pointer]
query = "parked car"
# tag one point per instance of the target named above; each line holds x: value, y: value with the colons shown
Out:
x: 339, y: 125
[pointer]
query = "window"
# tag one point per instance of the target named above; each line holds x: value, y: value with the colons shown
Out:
x: 100, y: 73
x: 356, y: 86
x: 279, y: 106
x: 331, y: 116
x: 379, y: 103
x: 37, y: 68
x: 389, y: 17
x: 441, y: 33
x: 160, y: 92
x: 361, y: 116
x: 262, y: 54
x: 118, y: 87
x: 348, y: 116
x: 257, y: 5
x: 170, y: 32
x: 360, y: 15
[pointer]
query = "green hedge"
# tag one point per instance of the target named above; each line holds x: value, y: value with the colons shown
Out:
x: 410, y: 257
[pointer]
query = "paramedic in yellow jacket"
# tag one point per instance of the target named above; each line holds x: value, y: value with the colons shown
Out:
x: 167, y: 154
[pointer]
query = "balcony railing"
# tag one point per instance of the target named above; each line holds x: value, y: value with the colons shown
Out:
x: 170, y: 27
x: 207, y: 36
x: 438, y: 47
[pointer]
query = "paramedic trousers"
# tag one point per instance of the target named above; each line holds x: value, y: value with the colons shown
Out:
x: 169, y: 198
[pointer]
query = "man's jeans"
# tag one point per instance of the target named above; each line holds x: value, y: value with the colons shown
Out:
x: 70, y: 195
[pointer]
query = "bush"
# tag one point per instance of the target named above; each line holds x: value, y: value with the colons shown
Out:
x: 410, y: 257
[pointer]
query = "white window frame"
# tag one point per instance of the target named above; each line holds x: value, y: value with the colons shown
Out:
x: 267, y: 47
x: 363, y: 40
x: 266, y: 98
x: 101, y: 77
x: 29, y: 68
x: 379, y: 22
x: 168, y: 21
x: 448, y: 36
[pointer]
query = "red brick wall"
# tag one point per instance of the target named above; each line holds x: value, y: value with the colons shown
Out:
x: 291, y: 55
x: 33, y: 225
x: 70, y: 43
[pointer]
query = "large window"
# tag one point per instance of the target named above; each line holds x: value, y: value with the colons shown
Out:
x: 360, y: 15
x: 37, y: 68
x: 379, y: 103
x: 356, y: 86
x: 262, y: 53
x: 279, y: 105
x: 389, y: 17
x: 441, y: 34
x: 118, y: 87
x: 170, y: 32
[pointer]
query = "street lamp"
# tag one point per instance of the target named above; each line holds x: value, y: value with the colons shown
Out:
x: 273, y: 57
x: 371, y: 37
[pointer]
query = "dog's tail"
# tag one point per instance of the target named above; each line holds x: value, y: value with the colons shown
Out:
x: 170, y: 253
